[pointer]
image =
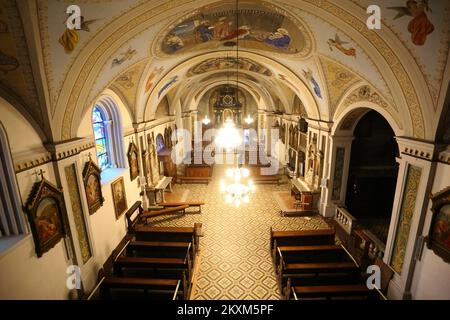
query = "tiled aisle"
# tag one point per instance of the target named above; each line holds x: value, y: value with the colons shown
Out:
x: 235, y: 259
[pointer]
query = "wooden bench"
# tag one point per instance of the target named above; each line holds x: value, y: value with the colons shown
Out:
x: 267, y: 180
x: 197, y: 173
x: 333, y: 291
x: 198, y: 204
x: 123, y: 263
x: 169, y: 210
x: 158, y: 249
x: 135, y: 288
x: 323, y: 279
x: 318, y: 253
x: 259, y: 178
x: 166, y: 234
x: 300, y: 238
x: 202, y: 180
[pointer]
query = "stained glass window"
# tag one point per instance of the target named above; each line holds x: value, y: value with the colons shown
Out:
x: 101, y: 142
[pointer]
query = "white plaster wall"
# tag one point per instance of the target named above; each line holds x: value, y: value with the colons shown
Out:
x: 17, y: 127
x: 432, y: 275
x: 22, y: 274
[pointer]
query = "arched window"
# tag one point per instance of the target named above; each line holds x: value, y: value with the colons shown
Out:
x: 101, y: 139
x: 11, y: 217
x: 107, y: 126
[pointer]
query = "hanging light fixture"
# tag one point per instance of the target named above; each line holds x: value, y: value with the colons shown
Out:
x: 228, y: 136
x: 249, y: 120
x: 206, y: 120
x: 237, y: 192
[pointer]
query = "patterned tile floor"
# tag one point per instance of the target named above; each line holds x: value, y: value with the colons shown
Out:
x: 235, y: 260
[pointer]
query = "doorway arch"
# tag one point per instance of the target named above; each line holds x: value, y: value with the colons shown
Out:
x: 372, y: 174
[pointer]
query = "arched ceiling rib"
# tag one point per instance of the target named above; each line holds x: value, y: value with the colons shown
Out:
x: 121, y: 33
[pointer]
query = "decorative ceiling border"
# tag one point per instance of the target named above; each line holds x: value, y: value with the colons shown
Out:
x: 443, y: 53
x: 95, y: 56
x: 376, y: 69
x: 390, y: 57
x: 42, y: 9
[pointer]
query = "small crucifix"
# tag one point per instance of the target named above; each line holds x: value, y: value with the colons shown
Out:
x: 39, y: 173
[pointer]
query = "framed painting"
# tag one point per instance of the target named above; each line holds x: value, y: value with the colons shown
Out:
x: 44, y: 209
x: 92, y: 186
x: 133, y: 161
x: 438, y: 238
x: 119, y: 197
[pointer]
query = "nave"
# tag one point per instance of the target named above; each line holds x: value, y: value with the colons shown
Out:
x: 112, y: 110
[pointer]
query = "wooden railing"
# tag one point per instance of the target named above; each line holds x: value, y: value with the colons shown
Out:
x: 344, y: 219
x: 376, y: 248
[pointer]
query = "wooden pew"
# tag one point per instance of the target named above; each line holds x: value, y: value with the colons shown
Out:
x: 139, y: 288
x: 197, y: 174
x: 333, y: 291
x: 325, y: 279
x: 159, y: 249
x: 300, y: 238
x: 167, y: 234
x: 317, y: 253
x: 201, y: 180
x: 152, y: 264
x: 180, y: 250
x: 169, y: 210
x: 259, y: 178
x: 198, y: 204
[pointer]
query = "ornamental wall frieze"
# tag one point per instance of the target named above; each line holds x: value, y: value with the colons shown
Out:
x: 366, y: 94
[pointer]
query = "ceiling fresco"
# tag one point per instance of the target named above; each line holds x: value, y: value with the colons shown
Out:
x: 224, y: 25
x: 423, y: 27
x: 127, y: 83
x: 136, y: 47
x: 229, y: 63
x: 16, y: 76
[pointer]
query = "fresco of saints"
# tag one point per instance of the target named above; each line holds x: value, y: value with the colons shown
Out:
x: 203, y: 33
x: 174, y: 42
x: 222, y: 28
x: 279, y: 39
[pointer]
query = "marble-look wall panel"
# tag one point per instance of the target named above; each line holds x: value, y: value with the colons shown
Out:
x: 338, y: 171
x: 77, y: 211
x: 405, y: 217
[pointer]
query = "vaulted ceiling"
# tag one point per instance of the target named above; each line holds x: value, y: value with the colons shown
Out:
x: 319, y: 52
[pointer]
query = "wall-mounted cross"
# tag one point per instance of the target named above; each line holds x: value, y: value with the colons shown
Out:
x: 39, y: 173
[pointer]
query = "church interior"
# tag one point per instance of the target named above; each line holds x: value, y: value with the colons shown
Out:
x: 224, y: 150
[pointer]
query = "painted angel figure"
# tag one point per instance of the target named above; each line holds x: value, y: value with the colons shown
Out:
x: 70, y: 38
x: 309, y: 76
x: 128, y: 55
x: 339, y: 44
x: 420, y: 26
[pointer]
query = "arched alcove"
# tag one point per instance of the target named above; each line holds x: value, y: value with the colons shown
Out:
x: 372, y: 174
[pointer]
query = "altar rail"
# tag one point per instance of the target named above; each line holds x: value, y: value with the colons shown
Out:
x: 344, y: 219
